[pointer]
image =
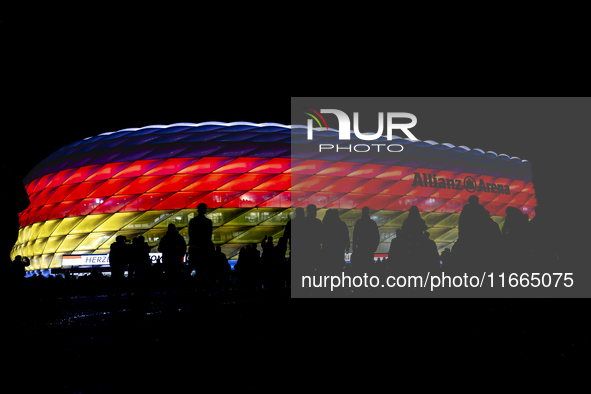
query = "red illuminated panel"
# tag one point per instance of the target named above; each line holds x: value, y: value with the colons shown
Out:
x: 314, y: 183
x: 340, y: 169
x: 520, y: 198
x: 532, y: 202
x: 206, y: 165
x: 309, y: 167
x: 43, y: 213
x: 464, y: 194
x: 379, y: 202
x: 43, y: 182
x: 282, y: 200
x: 372, y: 171
x: 42, y: 197
x: 484, y: 197
x: 174, y: 183
x: 374, y: 186
x: 60, y: 178
x: 529, y: 188
x: 274, y: 166
x: 502, y: 211
x: 349, y: 201
x: 430, y: 204
x: 344, y: 185
x: 246, y: 182
x: 451, y: 206
x: 400, y: 188
x: 529, y: 210
x: 216, y: 199
x: 496, y: 208
x: 31, y: 186
x: 110, y: 187
x: 280, y: 182
x: 81, y: 174
x: 23, y: 217
x: 445, y: 193
x: 61, y: 193
x: 84, y: 189
x: 504, y: 198
x: 320, y: 199
x: 86, y: 206
x: 114, y: 204
x: 421, y: 191
x: 251, y: 199
x: 138, y: 168
x: 63, y: 209
x: 210, y: 182
x: 241, y: 165
x: 404, y: 203
x: 179, y: 200
x: 145, y: 202
x: 516, y: 186
x: 171, y: 166
x: 107, y: 171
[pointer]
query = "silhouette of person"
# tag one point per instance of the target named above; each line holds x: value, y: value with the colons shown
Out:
x: 335, y: 242
x: 222, y: 268
x: 414, y: 226
x: 118, y: 260
x: 476, y: 237
x: 428, y: 256
x: 141, y: 257
x: 173, y: 248
x: 297, y: 240
x: 17, y: 268
x: 446, y: 257
x: 366, y: 238
x: 398, y: 252
x: 312, y: 238
x: 201, y: 246
x: 472, y: 220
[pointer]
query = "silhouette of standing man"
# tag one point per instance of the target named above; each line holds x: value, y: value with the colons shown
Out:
x: 118, y: 259
x: 173, y: 248
x: 366, y: 238
x: 200, y: 245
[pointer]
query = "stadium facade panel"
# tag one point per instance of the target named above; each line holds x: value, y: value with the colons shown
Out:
x: 137, y: 181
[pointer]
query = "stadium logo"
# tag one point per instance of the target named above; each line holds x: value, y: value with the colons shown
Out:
x: 469, y: 183
x: 345, y: 129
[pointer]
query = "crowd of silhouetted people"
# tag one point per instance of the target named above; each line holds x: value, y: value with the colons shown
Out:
x: 316, y: 247
x: 319, y: 247
x: 198, y: 265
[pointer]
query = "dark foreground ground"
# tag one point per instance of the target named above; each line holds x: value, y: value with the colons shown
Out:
x: 96, y: 344
x: 263, y: 341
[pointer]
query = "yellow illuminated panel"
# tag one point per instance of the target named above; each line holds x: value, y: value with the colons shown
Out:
x: 48, y: 228
x: 67, y: 225
x: 52, y: 244
x: 70, y: 242
x: 38, y: 245
x: 35, y: 229
x: 45, y: 261
x: 94, y: 241
x: 117, y: 221
x: 90, y: 223
x: 56, y: 261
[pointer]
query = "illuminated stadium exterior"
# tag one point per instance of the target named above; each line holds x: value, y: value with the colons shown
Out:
x: 137, y: 181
